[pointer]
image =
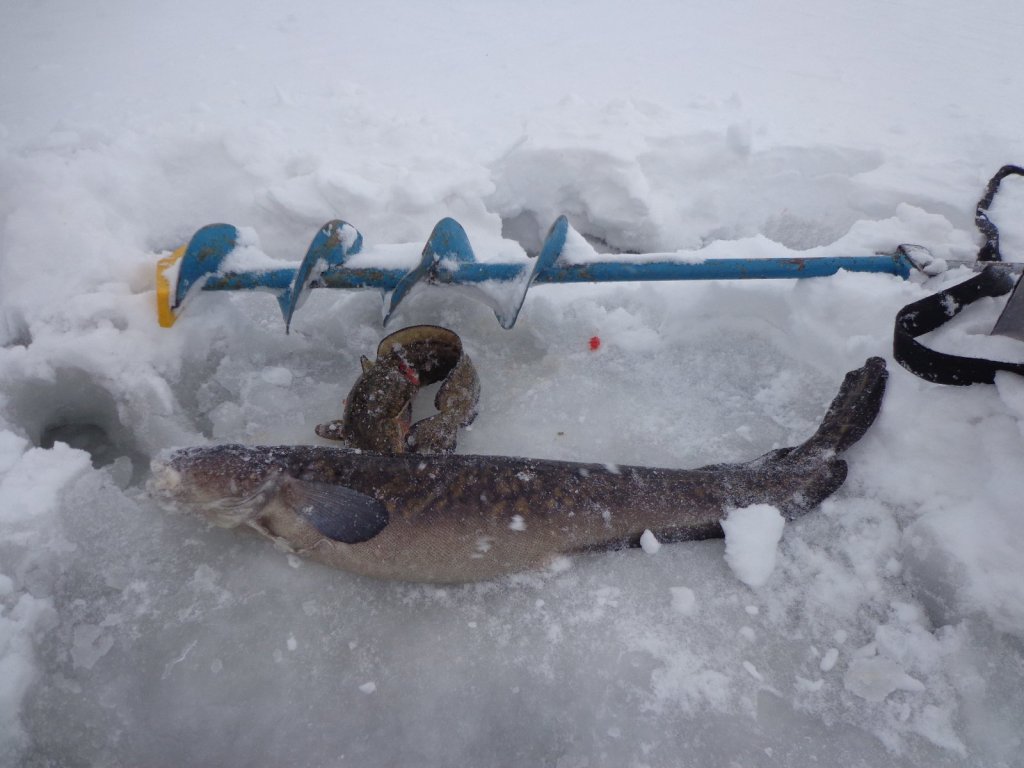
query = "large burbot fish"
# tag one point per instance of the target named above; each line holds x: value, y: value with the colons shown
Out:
x: 460, y: 518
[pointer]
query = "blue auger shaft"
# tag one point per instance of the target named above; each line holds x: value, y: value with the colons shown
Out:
x: 448, y: 259
x: 598, y: 272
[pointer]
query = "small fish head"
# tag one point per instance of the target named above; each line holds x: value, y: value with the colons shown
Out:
x: 227, y: 484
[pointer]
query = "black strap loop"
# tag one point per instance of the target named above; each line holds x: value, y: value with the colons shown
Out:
x: 929, y: 313
x: 990, y: 250
x: 932, y: 311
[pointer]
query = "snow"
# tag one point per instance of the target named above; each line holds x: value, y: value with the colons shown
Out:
x: 751, y: 537
x: 889, y: 631
x: 875, y: 678
x: 649, y: 543
x: 683, y: 600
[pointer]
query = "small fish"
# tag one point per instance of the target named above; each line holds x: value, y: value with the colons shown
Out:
x: 378, y: 410
x: 462, y: 518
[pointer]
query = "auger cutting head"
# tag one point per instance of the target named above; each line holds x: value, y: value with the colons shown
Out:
x: 446, y: 259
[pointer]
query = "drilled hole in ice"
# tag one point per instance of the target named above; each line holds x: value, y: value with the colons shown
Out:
x: 75, y: 409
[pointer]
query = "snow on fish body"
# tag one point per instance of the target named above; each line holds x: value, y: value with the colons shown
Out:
x: 461, y: 518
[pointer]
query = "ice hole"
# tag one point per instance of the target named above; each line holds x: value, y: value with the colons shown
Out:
x: 74, y: 409
x: 14, y: 331
x: 87, y: 437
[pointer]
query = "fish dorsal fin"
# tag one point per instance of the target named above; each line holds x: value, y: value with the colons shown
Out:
x: 366, y: 364
x: 339, y: 513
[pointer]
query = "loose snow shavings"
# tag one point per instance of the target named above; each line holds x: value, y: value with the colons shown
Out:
x: 752, y: 670
x: 517, y: 524
x: 950, y: 305
x: 277, y: 375
x: 751, y: 537
x: 369, y: 687
x: 247, y: 255
x: 875, y: 678
x: 810, y: 686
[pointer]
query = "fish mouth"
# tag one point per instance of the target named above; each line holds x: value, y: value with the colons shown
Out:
x: 174, y: 491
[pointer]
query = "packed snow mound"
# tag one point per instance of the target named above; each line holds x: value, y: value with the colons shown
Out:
x: 889, y: 631
x: 751, y: 537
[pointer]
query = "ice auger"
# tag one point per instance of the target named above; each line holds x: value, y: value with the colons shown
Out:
x: 204, y: 264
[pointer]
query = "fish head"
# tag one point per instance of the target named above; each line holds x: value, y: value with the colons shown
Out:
x: 227, y: 484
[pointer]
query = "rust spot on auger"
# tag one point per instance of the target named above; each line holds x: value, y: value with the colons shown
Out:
x: 205, y: 253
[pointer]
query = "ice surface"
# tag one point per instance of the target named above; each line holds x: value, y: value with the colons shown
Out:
x: 890, y: 630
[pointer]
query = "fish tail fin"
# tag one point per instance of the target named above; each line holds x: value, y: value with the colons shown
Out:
x: 852, y: 411
x: 818, y: 481
x: 798, y: 479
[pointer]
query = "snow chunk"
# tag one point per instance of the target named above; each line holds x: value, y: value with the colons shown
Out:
x: 560, y: 564
x: 369, y: 687
x: 649, y: 543
x: 248, y: 256
x: 875, y: 678
x: 809, y: 686
x: 751, y: 537
x: 752, y: 671
x: 277, y: 375
x: 576, y: 249
x: 11, y: 448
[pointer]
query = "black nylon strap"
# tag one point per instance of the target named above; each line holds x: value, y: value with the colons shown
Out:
x: 990, y: 250
x: 932, y: 311
x: 929, y: 313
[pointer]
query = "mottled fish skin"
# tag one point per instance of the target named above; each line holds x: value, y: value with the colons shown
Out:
x: 377, y: 412
x: 461, y: 518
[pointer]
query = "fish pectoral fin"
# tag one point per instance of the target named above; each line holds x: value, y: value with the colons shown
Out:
x: 339, y: 513
x: 332, y: 430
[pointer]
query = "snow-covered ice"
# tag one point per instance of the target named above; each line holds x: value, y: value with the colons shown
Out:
x: 890, y: 630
